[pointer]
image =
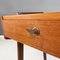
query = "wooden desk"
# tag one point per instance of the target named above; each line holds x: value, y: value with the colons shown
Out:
x: 41, y: 31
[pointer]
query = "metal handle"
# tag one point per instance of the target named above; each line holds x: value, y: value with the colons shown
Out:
x: 34, y: 31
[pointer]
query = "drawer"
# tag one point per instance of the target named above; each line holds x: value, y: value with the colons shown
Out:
x: 19, y: 29
x: 23, y: 26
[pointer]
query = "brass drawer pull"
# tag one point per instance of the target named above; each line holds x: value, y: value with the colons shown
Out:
x: 34, y: 31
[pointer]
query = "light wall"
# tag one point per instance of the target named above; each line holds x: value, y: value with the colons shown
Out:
x: 13, y: 6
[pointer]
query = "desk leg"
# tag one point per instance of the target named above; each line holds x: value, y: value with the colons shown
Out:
x: 44, y: 56
x: 20, y: 51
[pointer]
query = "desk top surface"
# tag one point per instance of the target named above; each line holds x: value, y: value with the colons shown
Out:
x: 39, y: 16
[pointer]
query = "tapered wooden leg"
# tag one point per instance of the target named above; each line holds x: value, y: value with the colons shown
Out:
x: 44, y: 56
x: 20, y: 51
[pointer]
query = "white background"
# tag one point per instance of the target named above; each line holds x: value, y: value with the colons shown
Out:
x: 8, y: 51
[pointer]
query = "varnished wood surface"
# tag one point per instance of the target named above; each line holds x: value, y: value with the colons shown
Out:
x: 39, y: 16
x: 48, y: 23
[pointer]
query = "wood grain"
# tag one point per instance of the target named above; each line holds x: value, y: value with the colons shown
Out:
x: 48, y: 23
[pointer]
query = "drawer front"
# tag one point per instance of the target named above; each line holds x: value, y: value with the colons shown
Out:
x: 22, y: 27
x: 18, y: 29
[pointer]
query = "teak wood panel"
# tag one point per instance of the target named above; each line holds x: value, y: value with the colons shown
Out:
x: 49, y: 38
x: 17, y: 29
